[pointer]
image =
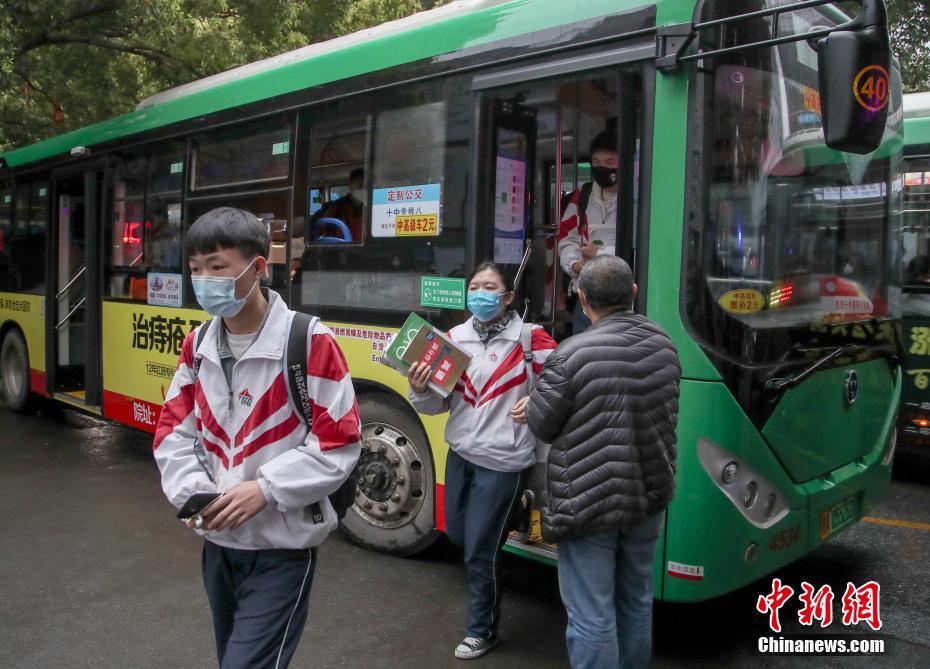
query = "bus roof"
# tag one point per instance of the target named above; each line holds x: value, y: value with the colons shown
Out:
x: 459, y: 25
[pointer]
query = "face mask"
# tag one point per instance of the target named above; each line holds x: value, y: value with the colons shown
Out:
x: 605, y: 177
x: 484, y: 304
x: 360, y: 194
x: 217, y: 294
x: 848, y: 268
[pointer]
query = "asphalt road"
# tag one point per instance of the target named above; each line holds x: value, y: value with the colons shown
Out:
x: 95, y: 572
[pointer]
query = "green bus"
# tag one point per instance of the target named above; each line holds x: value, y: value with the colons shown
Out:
x: 748, y: 184
x: 914, y: 418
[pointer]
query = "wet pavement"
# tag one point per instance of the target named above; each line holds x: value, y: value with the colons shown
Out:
x: 95, y: 572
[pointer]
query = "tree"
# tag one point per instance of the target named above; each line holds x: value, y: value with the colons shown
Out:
x: 910, y: 40
x: 68, y: 63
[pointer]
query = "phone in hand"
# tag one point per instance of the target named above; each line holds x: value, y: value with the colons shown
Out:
x: 197, y: 504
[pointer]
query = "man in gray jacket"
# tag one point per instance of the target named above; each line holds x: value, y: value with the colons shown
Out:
x: 607, y: 400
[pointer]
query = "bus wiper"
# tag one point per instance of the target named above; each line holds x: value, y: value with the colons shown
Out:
x: 775, y: 387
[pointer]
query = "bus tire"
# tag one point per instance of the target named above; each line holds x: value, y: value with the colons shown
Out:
x: 14, y: 372
x: 395, y: 503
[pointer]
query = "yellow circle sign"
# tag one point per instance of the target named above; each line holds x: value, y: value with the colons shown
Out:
x: 871, y: 88
x: 742, y: 301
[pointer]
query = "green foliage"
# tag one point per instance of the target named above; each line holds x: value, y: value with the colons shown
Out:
x: 95, y: 59
x: 910, y: 40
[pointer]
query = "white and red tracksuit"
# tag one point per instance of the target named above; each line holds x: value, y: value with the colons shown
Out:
x: 480, y: 428
x: 601, y: 215
x: 249, y: 429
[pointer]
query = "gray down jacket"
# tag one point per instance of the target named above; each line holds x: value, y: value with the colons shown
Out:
x: 607, y: 400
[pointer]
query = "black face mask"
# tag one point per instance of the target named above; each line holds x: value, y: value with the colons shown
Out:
x: 605, y: 177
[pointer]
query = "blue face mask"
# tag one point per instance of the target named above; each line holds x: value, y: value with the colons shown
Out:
x: 217, y: 294
x: 484, y: 304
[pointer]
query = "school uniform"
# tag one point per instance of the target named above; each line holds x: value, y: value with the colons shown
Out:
x: 488, y: 456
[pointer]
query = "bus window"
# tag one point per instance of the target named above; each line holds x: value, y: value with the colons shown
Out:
x: 793, y: 243
x: 146, y: 226
x: 338, y: 192
x: 258, y: 152
x: 916, y: 238
x: 272, y: 210
x: 406, y: 228
x: 165, y: 176
x: 28, y: 238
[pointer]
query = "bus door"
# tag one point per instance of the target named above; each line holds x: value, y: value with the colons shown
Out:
x: 74, y: 299
x: 534, y: 156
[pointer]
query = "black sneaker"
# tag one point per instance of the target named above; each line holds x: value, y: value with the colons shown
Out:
x: 471, y: 647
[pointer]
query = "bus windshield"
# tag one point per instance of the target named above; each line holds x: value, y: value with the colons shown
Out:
x: 793, y: 237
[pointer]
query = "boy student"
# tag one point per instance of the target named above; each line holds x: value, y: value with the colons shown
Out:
x: 229, y: 426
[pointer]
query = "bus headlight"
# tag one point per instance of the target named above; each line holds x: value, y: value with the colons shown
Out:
x: 724, y: 469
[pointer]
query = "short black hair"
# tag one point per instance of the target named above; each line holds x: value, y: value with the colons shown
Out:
x: 357, y: 173
x: 607, y: 282
x: 227, y: 228
x: 505, y: 278
x: 605, y: 141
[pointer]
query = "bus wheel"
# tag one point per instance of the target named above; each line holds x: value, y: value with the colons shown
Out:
x: 394, y: 508
x: 14, y: 371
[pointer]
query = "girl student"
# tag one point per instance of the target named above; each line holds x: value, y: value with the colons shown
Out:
x: 491, y: 447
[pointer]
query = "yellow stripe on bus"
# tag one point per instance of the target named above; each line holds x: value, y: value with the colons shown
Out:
x: 910, y: 524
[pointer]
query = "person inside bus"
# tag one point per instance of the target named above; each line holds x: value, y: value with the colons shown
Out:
x: 589, y: 222
x: 350, y: 208
x: 490, y: 451
x: 228, y: 426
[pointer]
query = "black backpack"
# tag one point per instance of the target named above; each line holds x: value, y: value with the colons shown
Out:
x: 296, y: 367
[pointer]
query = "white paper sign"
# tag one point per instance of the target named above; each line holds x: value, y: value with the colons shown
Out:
x: 406, y: 211
x: 164, y: 290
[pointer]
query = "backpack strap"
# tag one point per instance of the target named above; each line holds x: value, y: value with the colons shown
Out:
x: 201, y: 335
x: 296, y: 369
x: 198, y: 447
x: 296, y: 360
x: 526, y: 343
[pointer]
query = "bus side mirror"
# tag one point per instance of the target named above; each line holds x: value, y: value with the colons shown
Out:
x: 855, y: 85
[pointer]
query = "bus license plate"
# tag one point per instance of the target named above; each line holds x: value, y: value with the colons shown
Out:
x: 837, y: 516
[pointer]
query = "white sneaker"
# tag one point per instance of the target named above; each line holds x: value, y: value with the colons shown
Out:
x: 471, y: 647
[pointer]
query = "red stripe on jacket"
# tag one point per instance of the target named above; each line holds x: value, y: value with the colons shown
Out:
x: 270, y: 436
x: 179, y: 407
x: 332, y: 433
x: 216, y: 450
x: 173, y: 414
x: 503, y: 388
x: 326, y: 360
x: 206, y: 416
x: 274, y: 398
x: 508, y: 364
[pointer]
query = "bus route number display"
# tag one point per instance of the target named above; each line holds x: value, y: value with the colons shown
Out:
x: 406, y: 211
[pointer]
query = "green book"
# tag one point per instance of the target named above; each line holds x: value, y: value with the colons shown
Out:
x: 418, y: 341
x: 393, y: 355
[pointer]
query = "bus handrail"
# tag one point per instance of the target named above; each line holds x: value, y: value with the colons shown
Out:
x: 71, y: 313
x: 77, y: 276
